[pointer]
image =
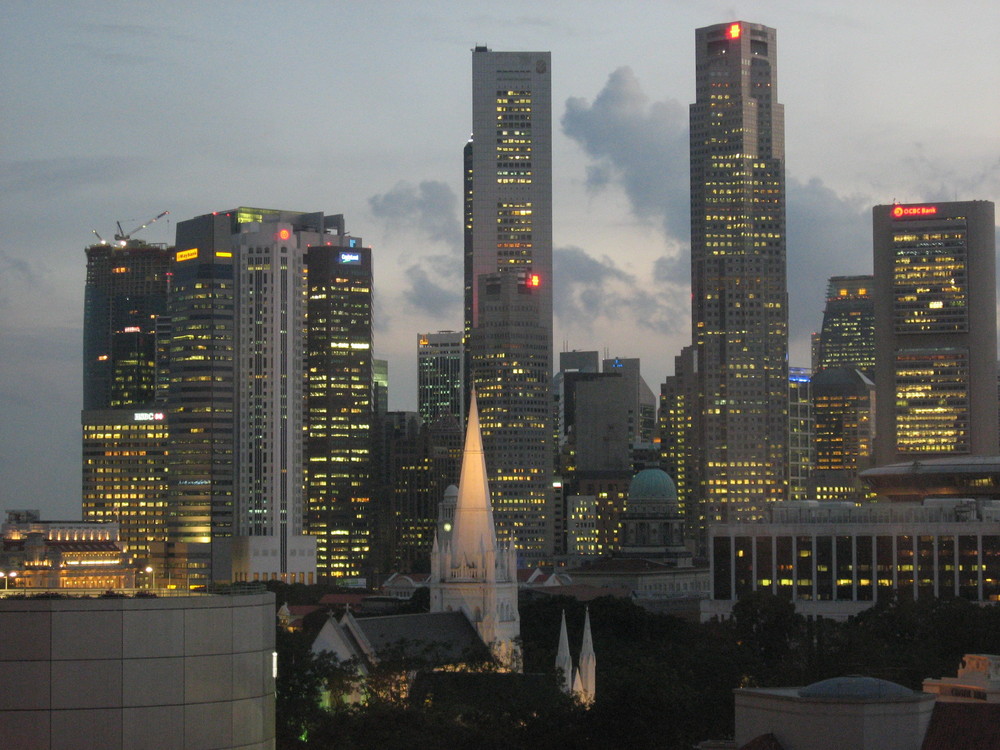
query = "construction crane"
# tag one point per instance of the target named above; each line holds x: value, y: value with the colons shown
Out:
x: 123, y: 237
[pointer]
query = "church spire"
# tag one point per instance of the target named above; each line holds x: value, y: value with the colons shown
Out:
x: 586, y: 675
x: 564, y: 662
x: 473, y: 529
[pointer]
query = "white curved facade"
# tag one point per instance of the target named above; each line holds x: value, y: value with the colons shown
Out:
x: 172, y: 672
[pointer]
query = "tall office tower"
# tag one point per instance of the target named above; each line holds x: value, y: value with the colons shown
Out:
x: 440, y: 375
x: 125, y: 474
x: 126, y: 293
x: 678, y: 433
x: 510, y: 365
x: 341, y: 404
x: 844, y: 429
x: 847, y: 338
x: 380, y: 386
x: 201, y: 401
x: 935, y: 330
x: 641, y: 400
x: 124, y: 447
x: 739, y: 298
x: 800, y: 432
x: 509, y: 243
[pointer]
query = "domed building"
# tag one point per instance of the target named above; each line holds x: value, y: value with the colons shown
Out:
x: 652, y: 524
x: 653, y: 562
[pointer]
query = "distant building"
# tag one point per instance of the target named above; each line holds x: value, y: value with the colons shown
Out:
x: 978, y: 680
x: 801, y: 431
x: 935, y: 330
x: 847, y: 338
x: 836, y: 559
x: 125, y: 474
x: 509, y: 284
x: 739, y: 296
x: 36, y: 554
x: 343, y: 401
x: 440, y: 376
x: 843, y: 405
x: 678, y: 432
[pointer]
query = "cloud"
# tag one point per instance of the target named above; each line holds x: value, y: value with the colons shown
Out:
x: 428, y: 209
x: 424, y: 292
x: 592, y: 289
x: 637, y: 145
x: 40, y: 175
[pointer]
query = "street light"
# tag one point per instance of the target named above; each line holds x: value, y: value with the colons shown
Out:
x: 149, y: 570
x: 7, y: 577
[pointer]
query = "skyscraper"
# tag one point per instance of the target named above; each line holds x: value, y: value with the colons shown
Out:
x: 508, y: 260
x: 341, y: 404
x: 935, y: 330
x: 124, y: 430
x: 847, y: 338
x: 739, y: 297
x: 440, y: 375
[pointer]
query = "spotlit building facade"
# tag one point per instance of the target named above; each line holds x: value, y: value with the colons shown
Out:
x: 935, y: 330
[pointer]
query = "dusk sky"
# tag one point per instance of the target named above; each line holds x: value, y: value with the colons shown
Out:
x: 121, y: 110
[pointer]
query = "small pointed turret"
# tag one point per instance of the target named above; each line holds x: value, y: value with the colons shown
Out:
x: 564, y: 661
x: 587, y: 674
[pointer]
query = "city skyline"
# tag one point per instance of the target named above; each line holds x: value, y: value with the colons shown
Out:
x: 95, y: 92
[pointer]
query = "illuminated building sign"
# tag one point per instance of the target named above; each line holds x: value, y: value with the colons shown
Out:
x: 534, y: 280
x: 909, y: 212
x: 284, y: 234
x: 132, y: 329
x: 148, y: 416
x: 187, y: 254
x: 353, y: 258
x: 734, y: 31
x: 222, y: 254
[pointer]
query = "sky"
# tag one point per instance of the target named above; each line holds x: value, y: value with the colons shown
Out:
x: 116, y: 111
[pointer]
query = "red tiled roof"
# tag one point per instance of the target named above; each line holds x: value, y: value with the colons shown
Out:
x: 963, y: 726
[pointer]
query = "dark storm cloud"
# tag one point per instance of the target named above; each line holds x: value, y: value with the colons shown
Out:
x: 14, y: 271
x: 637, y: 144
x: 429, y: 208
x: 589, y: 288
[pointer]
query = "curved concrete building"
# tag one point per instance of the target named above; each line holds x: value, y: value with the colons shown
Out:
x: 171, y: 672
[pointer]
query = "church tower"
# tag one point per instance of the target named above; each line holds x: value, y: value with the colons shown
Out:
x: 470, y: 572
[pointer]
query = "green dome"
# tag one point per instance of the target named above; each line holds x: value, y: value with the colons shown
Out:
x: 652, y: 484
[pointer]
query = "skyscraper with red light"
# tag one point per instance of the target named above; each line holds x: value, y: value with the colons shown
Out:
x: 739, y: 312
x: 508, y: 285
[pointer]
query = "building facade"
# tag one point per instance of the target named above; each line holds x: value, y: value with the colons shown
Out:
x: 935, y: 330
x: 440, y: 375
x: 340, y: 404
x: 847, y: 338
x: 508, y: 178
x: 739, y: 295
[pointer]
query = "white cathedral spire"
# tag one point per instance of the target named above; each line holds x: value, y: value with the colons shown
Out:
x: 564, y: 661
x: 586, y: 687
x: 473, y: 530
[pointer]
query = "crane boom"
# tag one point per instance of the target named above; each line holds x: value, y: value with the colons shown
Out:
x: 123, y: 237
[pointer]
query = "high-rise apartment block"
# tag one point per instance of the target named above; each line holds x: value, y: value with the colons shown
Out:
x: 935, y: 330
x: 847, y: 338
x: 440, y: 375
x: 801, y: 454
x: 739, y: 296
x: 508, y: 285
